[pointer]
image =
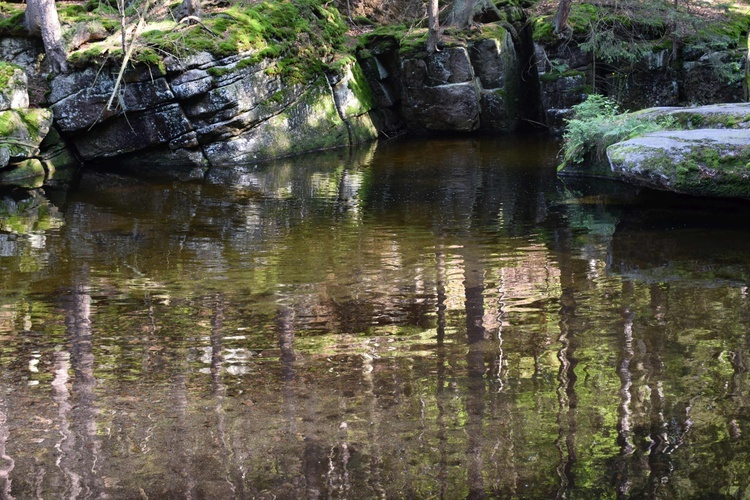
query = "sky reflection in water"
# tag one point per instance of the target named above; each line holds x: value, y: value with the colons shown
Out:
x: 439, y: 318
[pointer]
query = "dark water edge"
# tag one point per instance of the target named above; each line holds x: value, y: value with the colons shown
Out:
x: 425, y: 318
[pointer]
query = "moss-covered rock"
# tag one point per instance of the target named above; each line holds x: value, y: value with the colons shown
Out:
x: 13, y: 91
x: 597, y: 133
x: 697, y: 162
x: 725, y: 115
x: 22, y: 131
x: 27, y: 173
x: 309, y: 123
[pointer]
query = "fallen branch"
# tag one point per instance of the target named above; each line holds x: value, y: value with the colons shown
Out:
x: 126, y: 59
x: 196, y: 20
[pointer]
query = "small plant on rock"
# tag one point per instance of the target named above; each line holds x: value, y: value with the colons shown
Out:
x: 597, y: 123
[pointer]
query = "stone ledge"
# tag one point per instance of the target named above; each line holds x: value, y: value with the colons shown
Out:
x: 702, y: 162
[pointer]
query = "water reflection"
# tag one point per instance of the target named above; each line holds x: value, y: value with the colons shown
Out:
x: 425, y: 319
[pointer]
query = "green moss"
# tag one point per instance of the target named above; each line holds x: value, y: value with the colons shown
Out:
x: 92, y: 53
x: 405, y: 39
x: 705, y: 171
x: 8, y: 74
x: 730, y: 177
x: 720, y: 36
x: 583, y: 16
x: 150, y: 57
x: 71, y: 11
x: 695, y: 120
x: 493, y: 30
x: 304, y: 35
x: 28, y: 173
x: 686, y: 120
x: 362, y: 21
x: 11, y: 19
x: 7, y: 124
x: 583, y: 89
x: 544, y: 32
x: 77, y: 15
x: 35, y: 118
x: 361, y: 88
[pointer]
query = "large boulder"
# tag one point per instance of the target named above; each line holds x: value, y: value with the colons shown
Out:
x: 21, y: 134
x: 440, y: 92
x: 605, y: 133
x: 724, y: 115
x: 702, y: 162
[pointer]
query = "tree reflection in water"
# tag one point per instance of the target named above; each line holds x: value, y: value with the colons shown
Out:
x: 439, y: 319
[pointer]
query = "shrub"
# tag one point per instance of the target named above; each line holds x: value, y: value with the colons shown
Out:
x: 597, y: 124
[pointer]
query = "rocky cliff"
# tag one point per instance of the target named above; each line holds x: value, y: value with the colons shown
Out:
x: 200, y: 111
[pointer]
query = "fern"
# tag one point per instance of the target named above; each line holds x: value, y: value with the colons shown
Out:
x: 597, y: 123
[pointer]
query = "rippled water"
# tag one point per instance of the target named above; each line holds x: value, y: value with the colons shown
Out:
x: 421, y: 319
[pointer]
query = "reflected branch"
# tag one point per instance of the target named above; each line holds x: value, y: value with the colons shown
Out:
x: 8, y: 464
x: 624, y: 422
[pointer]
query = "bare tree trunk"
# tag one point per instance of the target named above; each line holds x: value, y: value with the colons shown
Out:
x: 561, y: 18
x: 434, y: 26
x: 41, y: 18
x: 189, y: 8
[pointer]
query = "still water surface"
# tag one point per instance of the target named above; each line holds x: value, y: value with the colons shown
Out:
x: 436, y: 319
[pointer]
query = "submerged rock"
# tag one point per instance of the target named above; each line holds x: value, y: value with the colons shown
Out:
x: 703, y: 162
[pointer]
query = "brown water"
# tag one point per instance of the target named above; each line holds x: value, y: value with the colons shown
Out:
x: 436, y: 319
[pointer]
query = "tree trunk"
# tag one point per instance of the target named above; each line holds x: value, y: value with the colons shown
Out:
x: 561, y: 18
x: 41, y: 18
x: 189, y: 8
x: 434, y: 26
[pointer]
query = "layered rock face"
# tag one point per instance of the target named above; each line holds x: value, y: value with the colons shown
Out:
x: 200, y: 112
x: 465, y: 87
x: 658, y: 78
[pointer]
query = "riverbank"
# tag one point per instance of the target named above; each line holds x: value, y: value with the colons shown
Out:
x: 247, y: 84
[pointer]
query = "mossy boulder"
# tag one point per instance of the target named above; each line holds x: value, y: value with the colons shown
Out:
x: 602, y: 132
x: 22, y: 131
x: 13, y: 91
x: 203, y: 110
x: 702, y: 162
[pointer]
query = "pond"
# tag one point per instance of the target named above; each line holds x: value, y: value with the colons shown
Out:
x: 441, y: 318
